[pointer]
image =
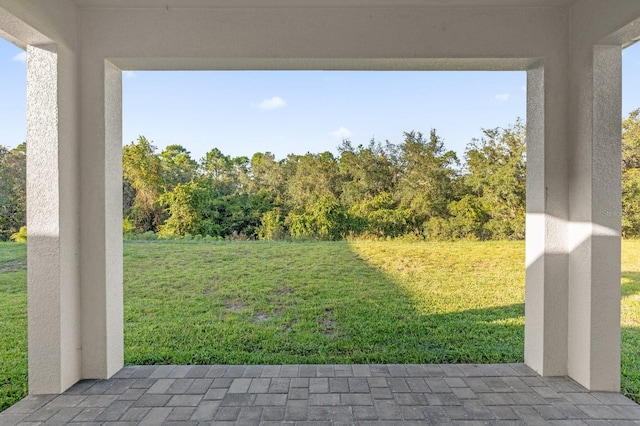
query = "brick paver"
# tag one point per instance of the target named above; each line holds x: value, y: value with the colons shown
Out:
x: 326, y: 394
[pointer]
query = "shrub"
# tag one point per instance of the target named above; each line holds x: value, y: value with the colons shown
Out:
x: 20, y: 236
x: 127, y: 226
x: 272, y: 226
x: 148, y: 236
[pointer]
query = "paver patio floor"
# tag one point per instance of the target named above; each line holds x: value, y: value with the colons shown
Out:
x: 326, y: 394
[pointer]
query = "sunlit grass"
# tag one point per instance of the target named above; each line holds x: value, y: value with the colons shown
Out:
x: 452, y: 277
x: 315, y: 302
x: 334, y: 302
x: 631, y: 319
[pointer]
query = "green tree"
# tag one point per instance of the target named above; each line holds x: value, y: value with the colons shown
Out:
x: 177, y: 166
x: 196, y: 208
x: 143, y: 171
x: 324, y: 219
x: 272, y: 225
x: 467, y: 221
x: 13, y: 197
x: 631, y: 175
x: 497, y: 177
x: 267, y: 175
x: 315, y: 177
x: 364, y: 172
x: 380, y: 216
x: 226, y: 174
x: 427, y: 172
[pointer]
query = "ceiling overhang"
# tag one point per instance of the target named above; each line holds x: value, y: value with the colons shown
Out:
x: 317, y: 3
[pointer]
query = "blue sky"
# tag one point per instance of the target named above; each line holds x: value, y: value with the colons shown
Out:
x: 243, y: 112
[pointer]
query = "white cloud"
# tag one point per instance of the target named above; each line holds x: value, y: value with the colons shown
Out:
x: 128, y: 74
x: 20, y: 57
x: 273, y: 103
x: 341, y: 133
x: 503, y: 97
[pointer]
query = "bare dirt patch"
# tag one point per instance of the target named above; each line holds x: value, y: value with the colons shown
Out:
x: 284, y: 290
x: 235, y: 305
x: 329, y: 324
x: 260, y: 317
x: 14, y: 266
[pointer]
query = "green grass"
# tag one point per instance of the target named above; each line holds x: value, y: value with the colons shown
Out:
x: 631, y: 319
x: 314, y: 302
x: 13, y: 323
x: 334, y: 302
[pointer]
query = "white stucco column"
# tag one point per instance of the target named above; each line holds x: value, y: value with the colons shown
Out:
x: 52, y: 221
x: 594, y: 267
x: 547, y: 213
x: 101, y: 218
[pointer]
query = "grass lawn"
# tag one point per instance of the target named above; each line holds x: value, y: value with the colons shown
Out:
x: 631, y: 319
x: 334, y: 302
x: 13, y: 323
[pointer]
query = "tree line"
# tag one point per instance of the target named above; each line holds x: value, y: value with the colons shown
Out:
x: 415, y: 189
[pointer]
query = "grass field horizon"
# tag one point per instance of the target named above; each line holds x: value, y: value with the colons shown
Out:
x: 315, y: 303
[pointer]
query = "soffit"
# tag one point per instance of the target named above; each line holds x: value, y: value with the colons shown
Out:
x: 318, y: 3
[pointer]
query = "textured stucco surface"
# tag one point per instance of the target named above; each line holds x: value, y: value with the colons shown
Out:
x: 53, y: 289
x: 101, y: 221
x: 37, y: 22
x: 546, y: 257
x: 315, y: 3
x: 594, y: 271
x: 571, y: 51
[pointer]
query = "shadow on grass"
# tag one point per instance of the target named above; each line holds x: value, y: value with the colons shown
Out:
x: 630, y: 353
x: 630, y: 367
x: 630, y: 283
x: 294, y: 303
x: 13, y: 323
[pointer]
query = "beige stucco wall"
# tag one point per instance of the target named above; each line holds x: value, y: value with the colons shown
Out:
x: 40, y: 21
x: 599, y: 30
x: 49, y: 31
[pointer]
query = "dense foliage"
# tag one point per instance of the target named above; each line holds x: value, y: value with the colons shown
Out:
x: 416, y: 189
x: 13, y: 194
x: 631, y: 175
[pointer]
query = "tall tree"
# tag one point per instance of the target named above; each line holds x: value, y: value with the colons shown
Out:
x: 267, y: 175
x: 177, y: 166
x: 497, y: 177
x: 226, y: 174
x: 631, y: 175
x: 365, y: 172
x: 427, y: 172
x: 315, y: 178
x: 13, y: 200
x: 143, y: 170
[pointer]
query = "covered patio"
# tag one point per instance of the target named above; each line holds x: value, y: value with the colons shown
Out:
x: 326, y: 394
x: 76, y: 52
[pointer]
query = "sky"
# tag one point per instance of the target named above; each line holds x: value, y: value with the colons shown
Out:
x: 283, y: 112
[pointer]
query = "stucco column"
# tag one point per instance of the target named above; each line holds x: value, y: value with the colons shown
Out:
x: 101, y: 218
x: 594, y: 267
x: 52, y: 221
x: 547, y: 214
